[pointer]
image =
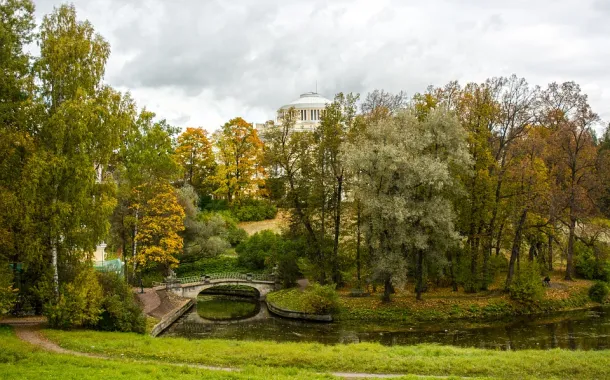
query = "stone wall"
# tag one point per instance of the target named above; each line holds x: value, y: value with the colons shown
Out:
x: 172, y: 317
x: 298, y: 315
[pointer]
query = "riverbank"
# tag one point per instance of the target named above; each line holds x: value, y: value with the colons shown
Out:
x: 444, y: 304
x: 426, y: 360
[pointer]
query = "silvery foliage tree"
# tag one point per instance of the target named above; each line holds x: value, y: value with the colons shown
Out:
x: 406, y: 182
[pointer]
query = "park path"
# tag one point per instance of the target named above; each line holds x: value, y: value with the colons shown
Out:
x: 30, y: 332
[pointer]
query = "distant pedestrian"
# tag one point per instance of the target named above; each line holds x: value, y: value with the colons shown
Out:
x: 547, y: 281
x: 141, y: 286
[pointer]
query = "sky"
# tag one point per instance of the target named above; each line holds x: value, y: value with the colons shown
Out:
x: 200, y: 63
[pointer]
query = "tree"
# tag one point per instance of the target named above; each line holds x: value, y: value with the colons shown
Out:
x: 290, y: 157
x: 18, y: 157
x: 565, y: 110
x: 477, y: 111
x: 528, y: 183
x: 336, y: 122
x: 145, y: 158
x: 74, y: 197
x: 158, y: 234
x: 381, y: 99
x: 194, y: 154
x: 239, y: 150
x: 405, y: 179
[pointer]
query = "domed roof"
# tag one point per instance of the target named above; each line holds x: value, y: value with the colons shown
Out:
x: 309, y: 100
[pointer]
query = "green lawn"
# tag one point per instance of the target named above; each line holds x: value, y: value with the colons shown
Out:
x: 20, y: 360
x: 290, y: 299
x: 362, y: 357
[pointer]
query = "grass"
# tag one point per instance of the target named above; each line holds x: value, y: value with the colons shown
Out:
x: 274, y: 225
x: 20, y: 360
x: 150, y: 323
x: 444, y: 304
x: 290, y: 299
x: 362, y: 357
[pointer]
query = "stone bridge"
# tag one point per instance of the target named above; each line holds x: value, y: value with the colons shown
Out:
x: 190, y: 287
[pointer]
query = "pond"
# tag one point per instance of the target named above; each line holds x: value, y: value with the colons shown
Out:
x: 240, y: 318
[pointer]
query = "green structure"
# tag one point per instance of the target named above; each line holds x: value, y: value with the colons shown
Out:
x: 114, y: 266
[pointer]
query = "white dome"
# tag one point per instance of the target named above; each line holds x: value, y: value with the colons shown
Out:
x: 309, y: 100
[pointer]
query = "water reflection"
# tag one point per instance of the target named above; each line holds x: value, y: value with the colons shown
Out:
x: 584, y: 330
x: 221, y: 308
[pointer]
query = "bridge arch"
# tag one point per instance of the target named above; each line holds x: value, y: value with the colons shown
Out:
x: 191, y: 287
x: 243, y: 290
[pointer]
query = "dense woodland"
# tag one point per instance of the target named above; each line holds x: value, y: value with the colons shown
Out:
x: 458, y: 186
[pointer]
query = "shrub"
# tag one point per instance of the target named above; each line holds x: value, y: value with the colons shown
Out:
x: 527, y: 287
x: 8, y: 295
x: 257, y: 251
x: 236, y: 235
x: 78, y: 303
x: 321, y: 299
x: 249, y: 210
x: 120, y: 311
x: 266, y: 249
x: 598, y: 292
x: 588, y: 266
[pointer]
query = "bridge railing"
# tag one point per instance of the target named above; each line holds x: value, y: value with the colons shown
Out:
x: 218, y: 276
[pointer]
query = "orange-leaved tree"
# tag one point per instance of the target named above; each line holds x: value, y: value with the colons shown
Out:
x: 158, y: 234
x: 239, y: 153
x: 194, y: 154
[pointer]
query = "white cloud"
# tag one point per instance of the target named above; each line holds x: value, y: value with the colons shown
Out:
x: 202, y: 63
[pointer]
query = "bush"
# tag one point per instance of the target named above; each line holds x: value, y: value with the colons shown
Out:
x: 120, y: 311
x: 586, y: 265
x: 257, y: 251
x: 250, y: 210
x: 78, y: 304
x: 266, y: 249
x: 598, y: 292
x: 321, y: 299
x: 527, y: 287
x: 8, y: 295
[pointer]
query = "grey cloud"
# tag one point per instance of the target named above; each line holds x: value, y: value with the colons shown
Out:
x: 264, y: 53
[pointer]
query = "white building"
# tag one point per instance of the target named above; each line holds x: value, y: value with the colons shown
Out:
x: 308, y: 107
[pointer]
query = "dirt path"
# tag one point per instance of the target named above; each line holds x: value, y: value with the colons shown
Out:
x: 30, y: 333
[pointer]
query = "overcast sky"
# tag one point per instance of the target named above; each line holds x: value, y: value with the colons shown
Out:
x: 202, y: 62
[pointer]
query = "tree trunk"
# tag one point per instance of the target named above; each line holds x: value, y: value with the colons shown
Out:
x: 550, y: 248
x: 514, y: 255
x: 55, y: 268
x: 335, y: 263
x: 570, y: 256
x: 454, y: 285
x: 419, y: 272
x: 358, y: 239
x: 304, y: 220
x: 134, y: 246
x: 499, y: 239
x: 387, y: 289
x: 532, y: 252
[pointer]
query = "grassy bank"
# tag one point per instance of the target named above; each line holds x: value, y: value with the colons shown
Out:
x: 362, y: 357
x: 19, y: 360
x: 444, y: 304
x: 290, y: 299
